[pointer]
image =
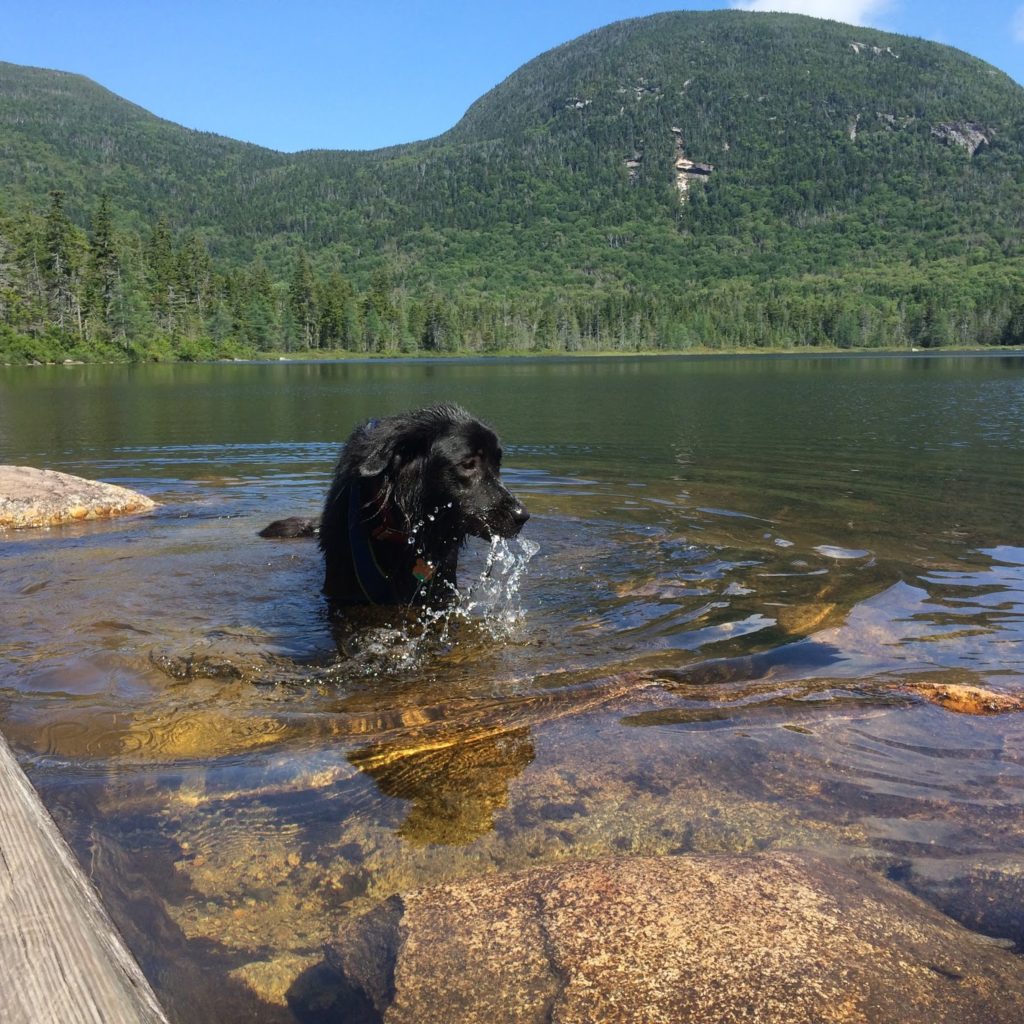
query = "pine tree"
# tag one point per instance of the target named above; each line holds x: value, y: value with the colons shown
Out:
x: 162, y: 271
x: 336, y: 307
x: 302, y: 301
x: 103, y: 277
x: 438, y: 332
x: 195, y: 271
x: 59, y: 267
x: 260, y: 326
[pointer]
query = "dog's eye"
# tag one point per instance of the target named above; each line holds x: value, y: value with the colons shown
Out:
x: 470, y: 464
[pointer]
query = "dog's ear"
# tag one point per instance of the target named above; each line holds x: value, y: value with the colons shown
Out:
x: 376, y: 461
x: 391, y: 445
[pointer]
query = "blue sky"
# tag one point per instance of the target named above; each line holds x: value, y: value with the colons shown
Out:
x: 307, y: 74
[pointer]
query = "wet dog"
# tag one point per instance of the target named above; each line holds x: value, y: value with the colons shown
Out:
x: 407, y: 492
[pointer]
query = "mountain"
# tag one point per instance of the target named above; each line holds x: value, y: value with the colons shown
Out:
x: 719, y: 178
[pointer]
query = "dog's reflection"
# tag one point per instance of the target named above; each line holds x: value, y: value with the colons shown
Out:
x: 454, y: 790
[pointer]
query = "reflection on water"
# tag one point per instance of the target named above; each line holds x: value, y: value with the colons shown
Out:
x: 453, y: 790
x: 708, y: 639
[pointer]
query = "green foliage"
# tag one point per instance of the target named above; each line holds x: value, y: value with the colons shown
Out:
x: 867, y: 190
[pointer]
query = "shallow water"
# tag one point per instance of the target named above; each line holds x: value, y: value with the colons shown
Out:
x: 733, y: 568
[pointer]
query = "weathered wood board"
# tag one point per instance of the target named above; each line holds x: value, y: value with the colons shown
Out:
x: 61, y: 958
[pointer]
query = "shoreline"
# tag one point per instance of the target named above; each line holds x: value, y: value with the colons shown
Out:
x: 511, y: 355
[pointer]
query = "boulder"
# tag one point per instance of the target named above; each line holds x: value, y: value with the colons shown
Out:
x: 780, y: 937
x: 43, y: 497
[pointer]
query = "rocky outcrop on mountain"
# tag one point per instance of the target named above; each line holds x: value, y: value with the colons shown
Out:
x: 878, y: 51
x: 687, y: 170
x: 967, y: 134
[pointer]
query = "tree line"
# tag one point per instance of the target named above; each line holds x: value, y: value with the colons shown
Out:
x: 103, y: 293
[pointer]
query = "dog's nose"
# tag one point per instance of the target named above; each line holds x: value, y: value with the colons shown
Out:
x: 520, y: 515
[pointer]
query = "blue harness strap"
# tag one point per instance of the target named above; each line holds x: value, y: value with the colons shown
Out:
x: 377, y: 587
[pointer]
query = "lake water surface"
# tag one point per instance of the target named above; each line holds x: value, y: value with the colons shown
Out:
x: 734, y: 569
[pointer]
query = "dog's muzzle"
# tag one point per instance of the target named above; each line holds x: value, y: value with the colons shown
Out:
x: 503, y: 518
x: 510, y: 519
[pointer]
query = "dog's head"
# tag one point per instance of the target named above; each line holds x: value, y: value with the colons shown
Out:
x: 443, y: 466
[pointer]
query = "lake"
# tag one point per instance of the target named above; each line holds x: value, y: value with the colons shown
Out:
x: 737, y: 572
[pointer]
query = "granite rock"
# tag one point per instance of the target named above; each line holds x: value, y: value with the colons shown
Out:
x: 785, y: 938
x: 42, y: 497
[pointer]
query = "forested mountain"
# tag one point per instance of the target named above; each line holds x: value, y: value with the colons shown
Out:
x: 689, y: 179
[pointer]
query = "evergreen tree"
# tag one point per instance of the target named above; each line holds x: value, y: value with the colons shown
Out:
x: 336, y: 308
x: 260, y: 325
x: 302, y: 301
x: 195, y: 271
x: 60, y: 268
x: 104, y: 277
x: 162, y: 272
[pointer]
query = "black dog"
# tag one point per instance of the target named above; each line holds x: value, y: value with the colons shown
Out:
x: 407, y: 492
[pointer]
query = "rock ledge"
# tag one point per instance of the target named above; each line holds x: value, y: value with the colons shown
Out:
x: 786, y: 938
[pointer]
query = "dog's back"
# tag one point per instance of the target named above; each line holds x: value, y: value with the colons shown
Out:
x: 290, y: 528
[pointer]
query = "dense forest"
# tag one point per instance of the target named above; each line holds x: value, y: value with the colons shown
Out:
x: 684, y: 181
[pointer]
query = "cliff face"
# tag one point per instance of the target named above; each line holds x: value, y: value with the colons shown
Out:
x: 968, y: 135
x: 687, y: 170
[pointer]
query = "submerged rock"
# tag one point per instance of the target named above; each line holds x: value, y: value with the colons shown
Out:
x: 271, y: 979
x: 43, y: 497
x: 782, y: 937
x: 985, y: 893
x: 965, y: 699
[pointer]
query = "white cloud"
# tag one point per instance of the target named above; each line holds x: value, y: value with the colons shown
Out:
x: 853, y: 12
x: 1018, y: 25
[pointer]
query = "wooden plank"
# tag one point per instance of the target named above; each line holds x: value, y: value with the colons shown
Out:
x: 62, y: 960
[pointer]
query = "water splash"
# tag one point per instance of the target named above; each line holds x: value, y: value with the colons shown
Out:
x: 494, y: 595
x: 492, y: 599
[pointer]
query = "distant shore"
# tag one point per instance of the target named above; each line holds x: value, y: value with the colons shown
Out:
x: 701, y: 351
x: 342, y: 356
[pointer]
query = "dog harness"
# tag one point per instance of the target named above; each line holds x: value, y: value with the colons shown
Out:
x: 375, y: 583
